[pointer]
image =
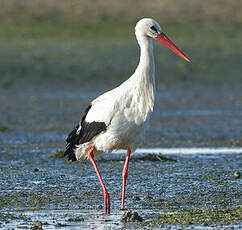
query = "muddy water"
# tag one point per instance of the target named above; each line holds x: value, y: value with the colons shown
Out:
x: 36, y: 186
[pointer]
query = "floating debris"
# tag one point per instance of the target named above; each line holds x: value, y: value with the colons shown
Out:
x: 136, y: 198
x: 153, y: 157
x: 58, y: 224
x: 237, y: 174
x: 36, y: 225
x: 148, y: 197
x: 130, y: 216
x: 138, y: 157
x: 76, y: 219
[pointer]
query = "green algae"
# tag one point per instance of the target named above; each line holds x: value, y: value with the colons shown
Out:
x: 3, y: 128
x: 148, y: 157
x: 154, y: 157
x: 204, y: 217
x: 4, y: 217
x: 57, y: 154
x: 9, y: 216
x: 34, y: 200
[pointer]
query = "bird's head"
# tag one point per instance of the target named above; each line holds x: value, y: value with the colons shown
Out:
x: 149, y: 27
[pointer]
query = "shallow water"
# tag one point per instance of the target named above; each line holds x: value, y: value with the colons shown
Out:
x: 52, y: 191
x: 203, y: 140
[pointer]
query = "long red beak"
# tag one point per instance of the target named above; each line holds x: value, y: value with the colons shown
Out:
x: 166, y: 41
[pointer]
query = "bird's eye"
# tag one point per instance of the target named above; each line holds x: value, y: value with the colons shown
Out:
x: 154, y: 29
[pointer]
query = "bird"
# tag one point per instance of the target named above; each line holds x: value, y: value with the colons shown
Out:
x: 118, y: 118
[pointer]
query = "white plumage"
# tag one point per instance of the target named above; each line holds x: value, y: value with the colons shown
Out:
x: 118, y: 118
x: 126, y: 109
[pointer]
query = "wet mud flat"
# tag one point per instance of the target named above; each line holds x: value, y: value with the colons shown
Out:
x: 39, y: 188
x: 183, y: 190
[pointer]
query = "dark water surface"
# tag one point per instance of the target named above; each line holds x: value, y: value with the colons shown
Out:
x: 35, y: 186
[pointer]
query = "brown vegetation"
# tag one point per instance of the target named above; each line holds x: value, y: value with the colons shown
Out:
x: 73, y: 11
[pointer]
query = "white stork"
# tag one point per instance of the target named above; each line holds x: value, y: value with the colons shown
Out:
x: 118, y: 118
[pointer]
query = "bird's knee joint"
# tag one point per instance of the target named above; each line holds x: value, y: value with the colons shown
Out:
x: 90, y: 151
x: 90, y: 155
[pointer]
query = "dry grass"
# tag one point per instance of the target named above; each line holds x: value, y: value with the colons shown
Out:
x: 73, y: 11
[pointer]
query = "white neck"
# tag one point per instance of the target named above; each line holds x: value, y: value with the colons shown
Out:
x: 144, y: 76
x: 146, y: 62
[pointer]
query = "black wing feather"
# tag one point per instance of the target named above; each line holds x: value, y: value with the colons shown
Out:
x: 87, y: 132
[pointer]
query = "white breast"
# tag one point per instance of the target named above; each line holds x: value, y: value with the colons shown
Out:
x: 126, y: 115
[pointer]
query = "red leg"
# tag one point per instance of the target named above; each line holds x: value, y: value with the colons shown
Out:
x: 125, y: 175
x: 106, y: 195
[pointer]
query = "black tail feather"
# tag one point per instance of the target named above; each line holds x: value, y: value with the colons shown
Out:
x: 87, y: 132
x: 71, y: 142
x: 73, y: 139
